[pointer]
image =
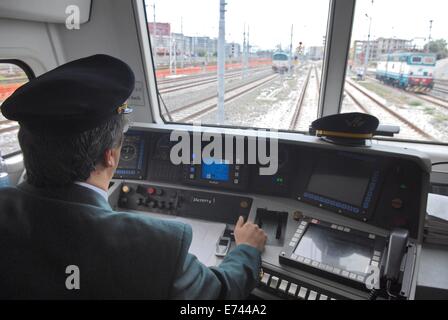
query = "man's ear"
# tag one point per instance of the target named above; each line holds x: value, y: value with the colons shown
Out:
x: 110, y: 158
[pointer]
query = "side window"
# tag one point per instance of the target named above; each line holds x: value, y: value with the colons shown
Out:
x: 407, y: 86
x: 11, y: 78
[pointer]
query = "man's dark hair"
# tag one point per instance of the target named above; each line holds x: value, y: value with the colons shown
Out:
x: 56, y: 161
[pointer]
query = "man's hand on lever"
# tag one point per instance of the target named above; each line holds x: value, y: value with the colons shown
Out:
x: 250, y: 234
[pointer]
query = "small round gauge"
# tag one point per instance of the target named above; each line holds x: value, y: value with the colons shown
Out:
x: 128, y: 152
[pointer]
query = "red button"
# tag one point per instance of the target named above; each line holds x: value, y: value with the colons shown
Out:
x: 151, y: 191
x: 397, y: 203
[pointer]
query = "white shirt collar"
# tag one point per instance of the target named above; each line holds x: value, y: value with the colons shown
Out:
x: 92, y: 187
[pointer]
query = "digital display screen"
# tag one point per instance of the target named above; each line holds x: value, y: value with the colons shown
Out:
x: 345, y: 180
x: 216, y: 170
x: 335, y: 248
x: 130, y: 152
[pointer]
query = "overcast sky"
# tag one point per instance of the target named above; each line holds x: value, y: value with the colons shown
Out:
x: 270, y: 21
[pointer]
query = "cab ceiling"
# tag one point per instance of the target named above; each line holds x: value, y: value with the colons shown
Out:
x: 43, y: 10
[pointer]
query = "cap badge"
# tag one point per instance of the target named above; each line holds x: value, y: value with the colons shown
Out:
x: 124, y: 109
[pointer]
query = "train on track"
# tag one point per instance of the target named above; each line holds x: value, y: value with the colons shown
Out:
x: 410, y: 71
x: 280, y: 62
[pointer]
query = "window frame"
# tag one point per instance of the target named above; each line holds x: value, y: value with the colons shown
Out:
x: 30, y: 75
x: 339, y: 35
x: 22, y: 65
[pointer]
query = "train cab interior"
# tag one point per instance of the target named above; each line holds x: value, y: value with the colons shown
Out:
x: 226, y: 102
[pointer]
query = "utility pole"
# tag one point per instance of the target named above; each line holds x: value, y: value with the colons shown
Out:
x: 248, y: 45
x: 245, y: 58
x: 290, y: 52
x: 221, y: 61
x: 366, y: 58
x: 430, y: 35
x: 182, y: 52
x: 206, y: 49
x: 367, y: 55
x: 173, y: 55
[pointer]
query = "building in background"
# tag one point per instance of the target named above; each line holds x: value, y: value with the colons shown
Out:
x: 233, y: 50
x: 378, y: 48
x: 361, y: 51
x: 315, y: 53
x: 204, y: 46
x: 189, y: 46
x: 388, y: 45
x: 162, y: 28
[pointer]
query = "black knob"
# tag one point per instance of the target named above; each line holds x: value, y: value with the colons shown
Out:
x: 141, y: 190
x: 123, y: 201
x: 152, y: 204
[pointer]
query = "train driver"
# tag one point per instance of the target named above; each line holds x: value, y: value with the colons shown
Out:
x: 71, y: 130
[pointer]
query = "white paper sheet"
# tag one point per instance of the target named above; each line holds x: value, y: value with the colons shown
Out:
x: 205, y: 237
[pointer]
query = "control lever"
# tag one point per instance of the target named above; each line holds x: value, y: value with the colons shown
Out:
x: 274, y: 224
x: 259, y: 222
x: 278, y: 233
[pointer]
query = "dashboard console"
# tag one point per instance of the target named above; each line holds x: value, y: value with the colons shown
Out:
x: 329, y: 211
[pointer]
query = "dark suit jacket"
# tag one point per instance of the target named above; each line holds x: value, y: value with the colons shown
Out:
x: 119, y: 255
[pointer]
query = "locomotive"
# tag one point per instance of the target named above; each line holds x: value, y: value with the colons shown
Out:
x: 409, y: 71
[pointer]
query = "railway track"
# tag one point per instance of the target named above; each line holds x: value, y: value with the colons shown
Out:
x: 193, y: 110
x: 208, y: 80
x: 432, y: 99
x: 443, y: 90
x: 423, y: 96
x: 441, y: 82
x: 188, y: 79
x: 8, y: 126
x: 393, y: 113
x: 316, y: 73
x: 20, y: 80
x: 202, y: 76
x: 299, y: 106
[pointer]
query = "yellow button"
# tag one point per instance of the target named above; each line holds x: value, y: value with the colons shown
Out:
x: 261, y: 274
x: 298, y: 215
x: 244, y: 204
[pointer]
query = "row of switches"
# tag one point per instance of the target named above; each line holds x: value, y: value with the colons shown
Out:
x: 293, y: 290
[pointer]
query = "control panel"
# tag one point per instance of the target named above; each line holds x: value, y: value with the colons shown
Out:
x: 334, y: 251
x: 279, y: 285
x: 345, y: 196
x: 184, y: 202
x: 217, y: 173
x: 132, y: 157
